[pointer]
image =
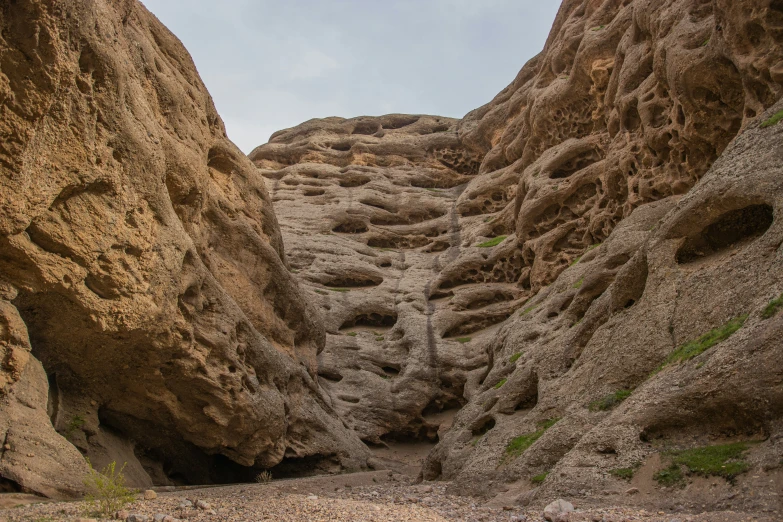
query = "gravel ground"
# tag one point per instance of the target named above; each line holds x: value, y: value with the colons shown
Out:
x: 367, y: 497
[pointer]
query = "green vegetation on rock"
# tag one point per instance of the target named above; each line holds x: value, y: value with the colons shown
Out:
x: 610, y: 401
x: 492, y: 242
x: 774, y: 120
x: 500, y: 383
x: 772, y: 308
x: 518, y: 445
x: 691, y: 349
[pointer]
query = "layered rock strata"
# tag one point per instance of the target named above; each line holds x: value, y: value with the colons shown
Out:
x: 140, y: 253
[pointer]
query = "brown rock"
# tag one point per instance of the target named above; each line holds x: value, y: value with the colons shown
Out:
x: 127, y: 226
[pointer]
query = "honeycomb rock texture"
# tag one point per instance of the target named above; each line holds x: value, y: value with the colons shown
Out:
x: 140, y: 252
x: 499, y: 276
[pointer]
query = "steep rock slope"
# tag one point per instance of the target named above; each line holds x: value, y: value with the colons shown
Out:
x: 141, y: 255
x: 569, y: 262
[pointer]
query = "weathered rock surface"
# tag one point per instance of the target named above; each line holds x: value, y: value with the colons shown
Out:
x: 594, y: 264
x: 139, y: 249
x: 367, y: 209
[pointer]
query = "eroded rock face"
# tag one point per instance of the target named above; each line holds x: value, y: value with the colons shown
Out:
x: 571, y: 262
x: 141, y: 252
x: 368, y: 216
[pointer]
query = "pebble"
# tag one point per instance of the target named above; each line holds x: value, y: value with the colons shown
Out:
x: 150, y: 495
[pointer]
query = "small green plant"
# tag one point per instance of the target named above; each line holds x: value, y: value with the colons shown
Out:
x: 340, y: 289
x: 576, y: 260
x: 75, y: 424
x: 691, y: 349
x: 107, y: 492
x: 598, y: 28
x: 463, y: 340
x: 528, y: 310
x: 625, y: 473
x: 518, y: 445
x: 265, y: 477
x: 774, y: 120
x: 351, y: 334
x: 492, y: 242
x: 705, y: 42
x: 514, y: 358
x: 579, y: 283
x: 772, y: 308
x: 322, y: 292
x: 540, y: 478
x: 610, y: 401
x: 379, y: 338
x: 500, y: 383
x: 670, y: 476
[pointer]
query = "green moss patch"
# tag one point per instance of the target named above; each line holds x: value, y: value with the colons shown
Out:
x: 518, y: 445
x: 463, y: 340
x: 579, y: 283
x: 722, y: 460
x: 500, y: 383
x: 514, y: 358
x: 351, y: 334
x: 625, y: 473
x: 774, y: 120
x: 610, y: 401
x: 492, y: 242
x: 772, y: 308
x: 540, y: 478
x: 670, y: 476
x: 528, y: 310
x: 691, y: 349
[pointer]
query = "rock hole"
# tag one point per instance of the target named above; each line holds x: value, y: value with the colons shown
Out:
x: 371, y: 320
x: 732, y: 229
x: 482, y: 426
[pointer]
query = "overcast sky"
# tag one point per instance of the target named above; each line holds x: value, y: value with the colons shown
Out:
x: 272, y: 64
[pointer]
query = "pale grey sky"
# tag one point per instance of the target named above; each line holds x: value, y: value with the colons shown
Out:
x: 272, y: 64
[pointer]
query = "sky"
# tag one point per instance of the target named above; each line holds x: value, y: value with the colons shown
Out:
x: 273, y: 64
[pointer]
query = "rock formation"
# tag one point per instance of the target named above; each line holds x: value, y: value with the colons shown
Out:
x: 140, y: 253
x: 536, y: 263
x: 564, y: 289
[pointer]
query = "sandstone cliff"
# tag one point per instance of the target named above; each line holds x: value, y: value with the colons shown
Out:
x: 141, y: 263
x: 536, y: 263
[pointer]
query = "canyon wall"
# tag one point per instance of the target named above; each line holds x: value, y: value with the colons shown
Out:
x: 147, y: 312
x: 538, y: 262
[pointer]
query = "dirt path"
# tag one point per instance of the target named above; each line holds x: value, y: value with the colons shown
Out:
x: 373, y: 496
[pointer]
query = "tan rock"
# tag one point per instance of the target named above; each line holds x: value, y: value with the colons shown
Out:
x: 141, y: 251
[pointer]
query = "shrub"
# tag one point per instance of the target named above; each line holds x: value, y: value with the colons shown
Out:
x: 76, y: 423
x: 691, y: 349
x: 518, y: 445
x: 107, y: 492
x: 540, y: 478
x: 772, y: 308
x: 500, y: 383
x: 265, y: 477
x: 514, y: 358
x: 492, y: 242
x: 610, y: 401
x: 774, y: 120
